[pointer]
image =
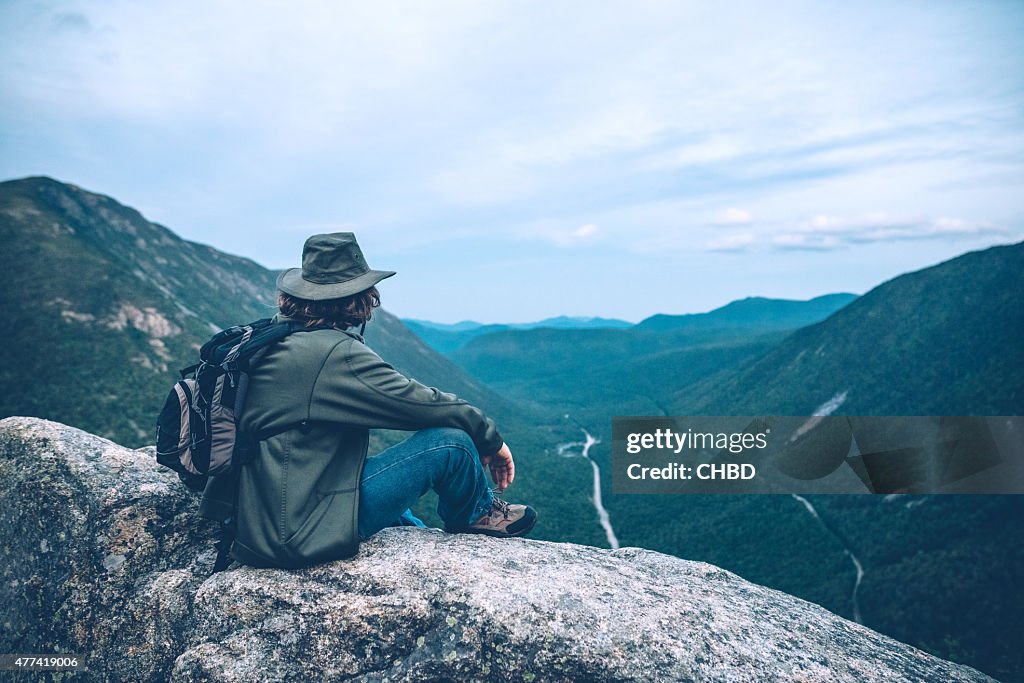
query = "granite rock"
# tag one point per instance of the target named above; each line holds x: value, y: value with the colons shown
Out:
x: 104, y: 555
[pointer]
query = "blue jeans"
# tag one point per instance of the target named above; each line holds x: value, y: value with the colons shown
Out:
x: 441, y: 459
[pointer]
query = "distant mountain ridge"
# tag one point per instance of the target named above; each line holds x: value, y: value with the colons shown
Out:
x: 447, y: 338
x: 557, y: 322
x: 595, y: 373
x: 750, y: 315
x: 753, y: 312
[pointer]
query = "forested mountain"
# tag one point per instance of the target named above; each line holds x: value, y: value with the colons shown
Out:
x: 103, y: 306
x: 946, y: 340
x: 596, y: 373
x: 448, y: 338
x: 753, y: 313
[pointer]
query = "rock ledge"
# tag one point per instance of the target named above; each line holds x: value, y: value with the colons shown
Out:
x: 112, y: 562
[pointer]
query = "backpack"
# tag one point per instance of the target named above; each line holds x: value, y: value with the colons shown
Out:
x: 197, y: 432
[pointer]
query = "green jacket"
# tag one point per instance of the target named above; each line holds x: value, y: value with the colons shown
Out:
x: 319, y: 393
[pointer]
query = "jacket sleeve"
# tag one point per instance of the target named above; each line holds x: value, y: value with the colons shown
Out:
x: 356, y: 387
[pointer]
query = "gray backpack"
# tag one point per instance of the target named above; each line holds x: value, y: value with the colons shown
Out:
x: 197, y: 433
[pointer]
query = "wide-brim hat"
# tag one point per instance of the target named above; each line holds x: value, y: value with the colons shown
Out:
x: 332, y: 267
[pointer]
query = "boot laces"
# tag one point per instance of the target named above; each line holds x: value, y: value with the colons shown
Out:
x: 501, y: 506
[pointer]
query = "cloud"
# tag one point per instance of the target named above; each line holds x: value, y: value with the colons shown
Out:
x: 554, y: 232
x: 828, y: 233
x: 720, y: 148
x: 570, y: 238
x: 584, y: 230
x: 733, y: 216
x: 478, y: 123
x: 824, y: 233
x: 741, y: 241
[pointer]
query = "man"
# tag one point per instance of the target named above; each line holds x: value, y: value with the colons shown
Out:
x: 310, y: 493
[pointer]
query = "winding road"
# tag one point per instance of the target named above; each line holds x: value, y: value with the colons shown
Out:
x: 613, y: 541
x: 854, y: 597
x: 602, y: 513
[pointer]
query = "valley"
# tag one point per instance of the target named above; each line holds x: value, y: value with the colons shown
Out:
x: 943, y: 341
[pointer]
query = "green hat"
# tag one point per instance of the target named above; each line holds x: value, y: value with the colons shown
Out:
x: 332, y: 267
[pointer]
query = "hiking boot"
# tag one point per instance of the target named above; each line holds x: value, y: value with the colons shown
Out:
x: 504, y: 520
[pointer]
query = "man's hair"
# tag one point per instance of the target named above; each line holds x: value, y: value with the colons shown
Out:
x: 342, y: 313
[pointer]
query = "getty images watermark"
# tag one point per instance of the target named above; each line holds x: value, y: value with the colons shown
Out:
x: 834, y: 454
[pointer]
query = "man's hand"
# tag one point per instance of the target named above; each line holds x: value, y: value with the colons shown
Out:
x: 503, y: 469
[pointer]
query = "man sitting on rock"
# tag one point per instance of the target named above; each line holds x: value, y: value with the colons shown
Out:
x: 310, y: 493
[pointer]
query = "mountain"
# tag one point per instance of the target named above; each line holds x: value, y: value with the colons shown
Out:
x: 103, y: 306
x: 596, y: 373
x: 945, y: 340
x: 448, y: 338
x: 753, y: 313
x: 575, y: 322
x: 557, y: 322
x: 461, y: 326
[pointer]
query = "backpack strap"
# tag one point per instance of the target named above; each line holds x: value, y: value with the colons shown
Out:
x: 227, y: 539
x: 228, y: 524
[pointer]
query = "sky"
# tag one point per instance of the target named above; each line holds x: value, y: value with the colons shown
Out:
x: 520, y: 160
